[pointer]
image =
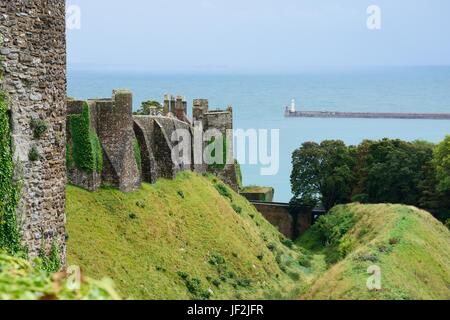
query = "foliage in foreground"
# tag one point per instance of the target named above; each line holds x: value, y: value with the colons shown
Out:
x: 19, y: 280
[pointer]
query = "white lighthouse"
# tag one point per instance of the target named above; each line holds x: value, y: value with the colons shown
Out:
x: 292, y: 106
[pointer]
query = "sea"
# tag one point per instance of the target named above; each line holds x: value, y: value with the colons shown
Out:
x: 259, y: 102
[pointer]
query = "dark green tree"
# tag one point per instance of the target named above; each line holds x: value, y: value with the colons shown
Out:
x: 337, y: 176
x: 441, y: 162
x: 395, y: 170
x: 305, y: 176
x: 149, y: 108
x: 322, y: 173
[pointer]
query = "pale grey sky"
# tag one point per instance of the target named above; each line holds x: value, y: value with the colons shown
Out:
x: 257, y: 35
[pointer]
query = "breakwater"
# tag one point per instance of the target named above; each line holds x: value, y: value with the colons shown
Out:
x: 367, y: 115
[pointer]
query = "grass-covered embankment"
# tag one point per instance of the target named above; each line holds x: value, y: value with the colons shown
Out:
x: 188, y: 238
x: 411, y: 248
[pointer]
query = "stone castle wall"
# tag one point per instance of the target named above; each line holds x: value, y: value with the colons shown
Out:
x: 154, y: 134
x: 115, y: 131
x: 292, y: 222
x: 111, y: 119
x: 222, y: 120
x: 33, y: 60
x: 157, y: 138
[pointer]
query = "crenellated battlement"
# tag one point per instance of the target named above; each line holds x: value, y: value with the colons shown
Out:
x: 137, y: 148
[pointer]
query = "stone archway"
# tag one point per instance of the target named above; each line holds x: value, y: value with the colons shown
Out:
x: 148, y: 161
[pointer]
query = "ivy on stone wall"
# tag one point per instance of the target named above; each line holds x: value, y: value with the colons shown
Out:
x: 9, y: 191
x: 221, y: 142
x: 51, y: 262
x: 137, y: 154
x: 238, y: 174
x: 86, y: 151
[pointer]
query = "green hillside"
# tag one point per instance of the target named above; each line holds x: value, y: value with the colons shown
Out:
x: 411, y: 248
x: 194, y: 238
x: 188, y: 238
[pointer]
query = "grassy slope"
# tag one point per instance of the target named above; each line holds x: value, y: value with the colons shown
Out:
x: 409, y: 245
x: 150, y: 240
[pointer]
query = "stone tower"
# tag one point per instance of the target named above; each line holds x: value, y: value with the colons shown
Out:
x: 33, y: 63
x: 169, y: 104
x: 180, y: 110
x: 115, y: 131
x: 199, y: 109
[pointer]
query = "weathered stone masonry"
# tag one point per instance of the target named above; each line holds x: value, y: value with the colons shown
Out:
x: 221, y: 120
x: 33, y: 65
x: 33, y: 57
x: 117, y: 129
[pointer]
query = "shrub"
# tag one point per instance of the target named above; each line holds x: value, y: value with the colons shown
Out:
x: 346, y: 245
x: 394, y: 241
x: 132, y: 216
x: 333, y: 226
x: 216, y: 282
x: 194, y: 286
x: 304, y: 261
x: 34, y: 154
x: 271, y: 247
x: 183, y: 275
x: 244, y: 283
x: 288, y: 243
x: 140, y: 204
x: 236, y: 208
x: 216, y: 259
x: 39, y: 127
x: 181, y: 194
x: 223, y: 190
x: 294, y: 275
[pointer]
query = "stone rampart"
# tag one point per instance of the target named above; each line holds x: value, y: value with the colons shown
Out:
x: 33, y: 67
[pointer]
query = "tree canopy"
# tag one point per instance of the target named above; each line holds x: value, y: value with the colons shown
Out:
x: 385, y: 171
x: 149, y: 108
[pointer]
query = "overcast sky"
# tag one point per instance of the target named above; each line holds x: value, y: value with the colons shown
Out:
x: 257, y: 35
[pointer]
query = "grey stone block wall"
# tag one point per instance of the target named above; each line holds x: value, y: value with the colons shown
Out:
x: 221, y: 120
x: 33, y: 57
x: 112, y: 120
x: 155, y: 137
x: 158, y: 136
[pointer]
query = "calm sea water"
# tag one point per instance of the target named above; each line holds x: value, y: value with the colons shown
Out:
x: 259, y: 102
